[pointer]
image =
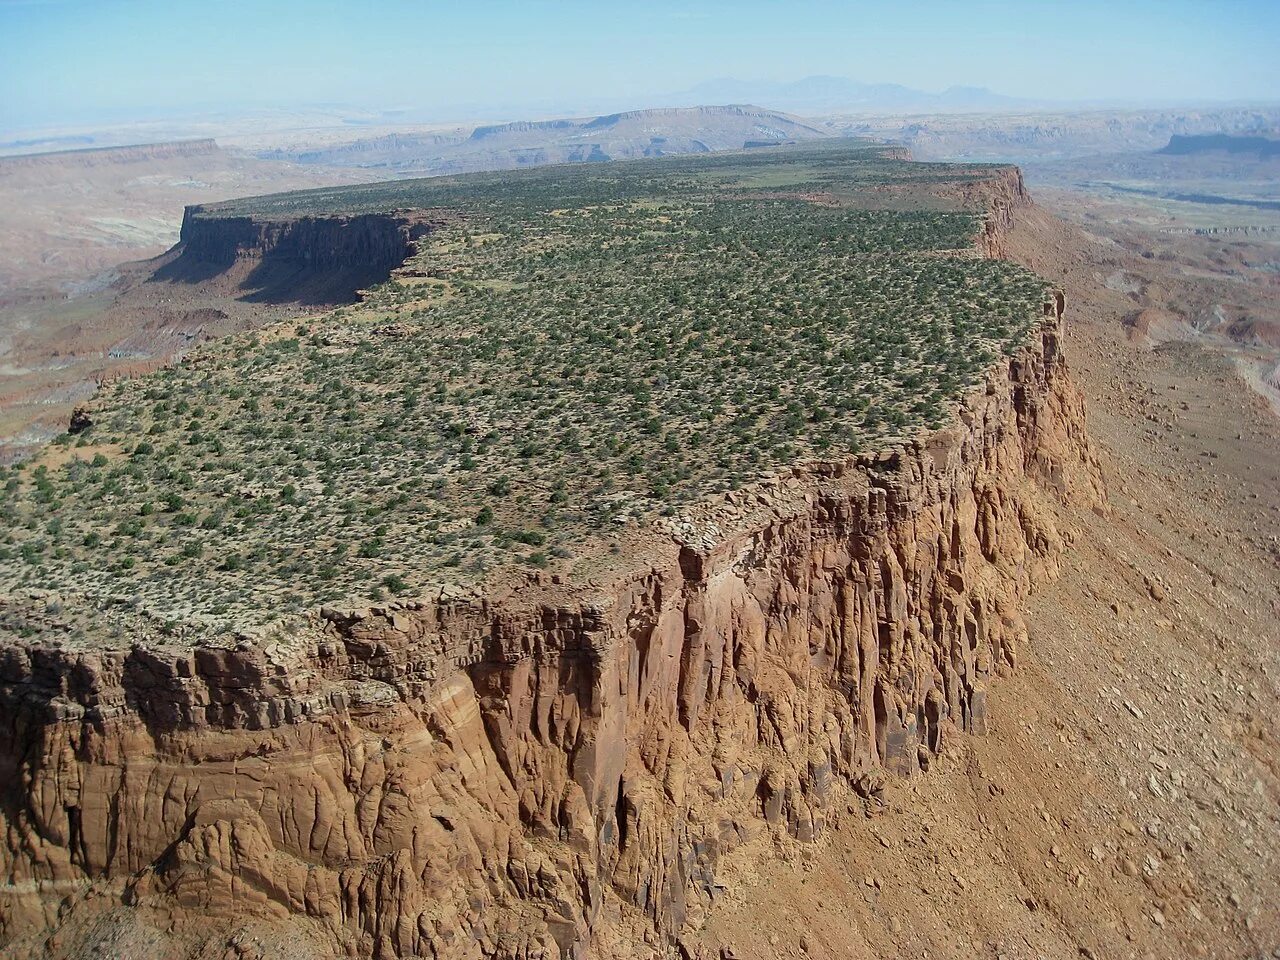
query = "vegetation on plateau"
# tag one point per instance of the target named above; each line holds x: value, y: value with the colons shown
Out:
x: 582, y: 349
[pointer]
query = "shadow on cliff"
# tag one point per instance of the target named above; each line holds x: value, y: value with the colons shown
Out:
x: 311, y: 261
x: 273, y: 281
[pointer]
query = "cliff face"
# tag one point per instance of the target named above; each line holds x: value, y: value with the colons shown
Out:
x: 1000, y: 194
x: 554, y: 771
x: 322, y: 243
x: 309, y: 259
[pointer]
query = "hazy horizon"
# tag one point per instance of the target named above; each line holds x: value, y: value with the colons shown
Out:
x: 77, y: 63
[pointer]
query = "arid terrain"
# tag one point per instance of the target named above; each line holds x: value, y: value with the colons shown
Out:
x: 1193, y: 233
x: 72, y: 317
x: 1047, y: 135
x: 1075, y: 610
x: 1126, y: 799
x: 66, y: 217
x: 501, y: 146
x: 75, y: 314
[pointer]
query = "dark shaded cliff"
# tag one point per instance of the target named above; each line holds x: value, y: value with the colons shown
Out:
x: 309, y: 260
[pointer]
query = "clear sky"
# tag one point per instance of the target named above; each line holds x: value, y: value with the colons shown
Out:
x: 81, y: 60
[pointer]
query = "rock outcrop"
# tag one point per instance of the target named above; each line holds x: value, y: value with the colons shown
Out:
x: 1002, y: 193
x: 325, y: 259
x: 323, y: 243
x: 556, y: 770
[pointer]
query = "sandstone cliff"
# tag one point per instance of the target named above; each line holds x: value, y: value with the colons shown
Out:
x: 1002, y: 193
x: 326, y: 259
x: 555, y: 770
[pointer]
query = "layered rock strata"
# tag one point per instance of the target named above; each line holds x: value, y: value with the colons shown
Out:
x: 375, y: 240
x: 321, y: 259
x: 555, y: 770
x: 1002, y: 194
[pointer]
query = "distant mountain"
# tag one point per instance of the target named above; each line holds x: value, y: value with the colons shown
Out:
x: 635, y: 133
x: 825, y: 94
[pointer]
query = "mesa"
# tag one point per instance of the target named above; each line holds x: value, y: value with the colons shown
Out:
x: 571, y: 367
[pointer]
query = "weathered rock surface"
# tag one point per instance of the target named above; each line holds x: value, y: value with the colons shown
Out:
x: 324, y: 259
x: 1002, y: 194
x: 554, y: 771
x: 325, y: 243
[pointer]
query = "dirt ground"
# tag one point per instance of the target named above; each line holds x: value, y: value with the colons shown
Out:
x: 1126, y: 802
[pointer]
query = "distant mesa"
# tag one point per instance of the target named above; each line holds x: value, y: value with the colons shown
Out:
x: 828, y: 94
x: 522, y: 126
x: 627, y: 135
x: 102, y: 156
x: 1190, y: 145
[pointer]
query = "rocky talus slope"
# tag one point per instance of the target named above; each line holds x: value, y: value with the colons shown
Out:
x: 554, y: 771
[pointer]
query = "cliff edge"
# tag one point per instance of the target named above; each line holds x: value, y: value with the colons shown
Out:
x: 564, y: 778
x: 308, y: 260
x: 544, y: 765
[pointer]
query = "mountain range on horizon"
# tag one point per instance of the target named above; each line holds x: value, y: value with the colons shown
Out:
x: 815, y: 95
x: 833, y: 94
x: 812, y: 97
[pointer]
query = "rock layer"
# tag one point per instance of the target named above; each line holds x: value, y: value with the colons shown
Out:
x: 555, y: 770
x: 326, y: 259
x: 324, y: 243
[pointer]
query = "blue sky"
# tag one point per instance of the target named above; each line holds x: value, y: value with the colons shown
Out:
x: 81, y: 60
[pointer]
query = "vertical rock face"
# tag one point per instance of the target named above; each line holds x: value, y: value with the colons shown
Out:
x: 555, y: 771
x: 1001, y: 194
x: 324, y: 259
x: 376, y: 241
